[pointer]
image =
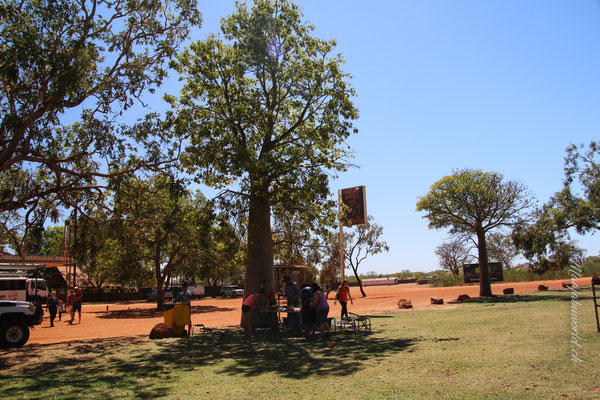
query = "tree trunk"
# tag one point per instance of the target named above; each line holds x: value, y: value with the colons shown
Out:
x: 160, y: 294
x: 485, y: 288
x: 362, y: 291
x: 259, y: 264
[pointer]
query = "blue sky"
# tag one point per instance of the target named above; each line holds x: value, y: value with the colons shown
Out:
x: 503, y: 86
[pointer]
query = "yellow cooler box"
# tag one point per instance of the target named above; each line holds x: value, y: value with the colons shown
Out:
x: 177, y: 318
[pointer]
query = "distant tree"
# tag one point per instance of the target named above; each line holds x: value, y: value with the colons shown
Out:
x: 453, y: 254
x: 162, y: 223
x: 362, y: 243
x: 501, y: 248
x: 268, y: 107
x: 475, y: 202
x: 53, y: 241
x: 330, y: 260
x: 220, y: 258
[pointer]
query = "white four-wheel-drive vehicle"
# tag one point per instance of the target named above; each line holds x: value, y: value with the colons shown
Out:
x: 231, y: 291
x: 16, y: 317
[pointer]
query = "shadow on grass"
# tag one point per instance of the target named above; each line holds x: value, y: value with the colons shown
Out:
x: 136, y: 368
x: 152, y: 312
x: 516, y: 298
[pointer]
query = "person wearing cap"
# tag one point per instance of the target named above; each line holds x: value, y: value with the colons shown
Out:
x: 77, y: 296
x: 52, y: 306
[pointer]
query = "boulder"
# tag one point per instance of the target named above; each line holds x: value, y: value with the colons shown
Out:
x: 542, y: 287
x: 509, y: 291
x: 161, y: 331
x: 437, y: 300
x: 405, y: 303
x: 463, y: 297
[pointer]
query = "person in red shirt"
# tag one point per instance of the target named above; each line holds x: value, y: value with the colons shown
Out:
x: 343, y: 294
x: 77, y: 296
x: 252, y: 302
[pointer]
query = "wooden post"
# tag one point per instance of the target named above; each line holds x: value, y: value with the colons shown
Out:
x: 75, y: 249
x: 341, y: 236
x: 596, y: 281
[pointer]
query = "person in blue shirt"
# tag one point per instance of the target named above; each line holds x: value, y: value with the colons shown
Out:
x: 52, y: 306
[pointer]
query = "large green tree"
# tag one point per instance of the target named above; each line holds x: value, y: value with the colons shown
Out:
x: 267, y: 109
x: 86, y: 61
x: 575, y: 208
x: 475, y: 202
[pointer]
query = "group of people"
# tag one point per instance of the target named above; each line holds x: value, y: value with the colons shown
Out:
x: 56, y: 306
x: 310, y: 299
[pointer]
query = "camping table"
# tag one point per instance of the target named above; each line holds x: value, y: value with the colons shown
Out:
x: 362, y: 323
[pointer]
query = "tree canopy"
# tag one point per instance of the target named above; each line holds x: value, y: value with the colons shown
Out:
x: 267, y: 110
x: 453, y: 254
x: 574, y: 208
x: 475, y: 202
x: 68, y: 71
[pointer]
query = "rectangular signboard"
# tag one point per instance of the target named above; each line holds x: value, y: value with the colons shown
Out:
x: 355, y: 199
x: 471, y: 272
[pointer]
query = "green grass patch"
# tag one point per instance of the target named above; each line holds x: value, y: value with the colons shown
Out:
x: 507, y: 347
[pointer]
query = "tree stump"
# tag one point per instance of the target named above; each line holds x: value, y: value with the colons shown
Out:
x: 161, y: 331
x: 463, y: 297
x: 405, y: 303
x: 437, y: 300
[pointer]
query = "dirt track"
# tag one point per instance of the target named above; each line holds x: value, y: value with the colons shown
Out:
x: 137, y: 318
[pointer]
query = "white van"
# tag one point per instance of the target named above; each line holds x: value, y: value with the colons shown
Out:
x: 22, y: 288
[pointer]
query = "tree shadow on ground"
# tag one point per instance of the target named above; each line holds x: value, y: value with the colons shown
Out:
x: 137, y: 368
x: 513, y: 298
x: 152, y: 312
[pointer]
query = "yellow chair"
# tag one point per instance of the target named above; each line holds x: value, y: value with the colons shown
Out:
x: 177, y: 318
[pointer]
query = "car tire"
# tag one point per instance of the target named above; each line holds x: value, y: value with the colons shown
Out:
x: 13, y: 333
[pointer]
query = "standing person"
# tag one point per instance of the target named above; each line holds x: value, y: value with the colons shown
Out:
x: 319, y: 303
x: 77, y: 297
x: 52, y: 306
x: 292, y: 295
x: 70, y: 301
x: 308, y: 313
x: 343, y: 294
x: 61, y: 309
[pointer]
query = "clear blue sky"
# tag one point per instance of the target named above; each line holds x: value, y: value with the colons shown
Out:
x: 501, y: 85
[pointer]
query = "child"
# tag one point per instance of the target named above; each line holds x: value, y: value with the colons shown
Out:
x: 61, y: 309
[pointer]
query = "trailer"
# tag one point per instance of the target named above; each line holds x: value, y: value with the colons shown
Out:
x: 379, y: 281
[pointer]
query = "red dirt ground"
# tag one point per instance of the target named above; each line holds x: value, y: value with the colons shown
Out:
x: 129, y: 319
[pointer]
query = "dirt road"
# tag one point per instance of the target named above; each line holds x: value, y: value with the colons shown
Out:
x: 137, y: 318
